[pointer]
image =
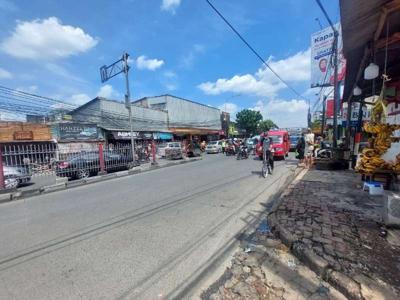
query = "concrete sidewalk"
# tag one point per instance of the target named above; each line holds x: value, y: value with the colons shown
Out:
x: 334, y: 227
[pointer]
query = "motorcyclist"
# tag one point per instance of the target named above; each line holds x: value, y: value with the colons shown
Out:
x: 266, y: 142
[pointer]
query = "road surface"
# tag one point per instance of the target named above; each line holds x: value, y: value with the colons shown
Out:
x: 145, y: 236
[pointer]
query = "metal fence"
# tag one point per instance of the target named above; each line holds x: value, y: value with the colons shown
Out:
x: 20, y: 164
x: 25, y: 163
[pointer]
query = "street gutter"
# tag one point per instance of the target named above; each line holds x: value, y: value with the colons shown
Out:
x: 210, y: 273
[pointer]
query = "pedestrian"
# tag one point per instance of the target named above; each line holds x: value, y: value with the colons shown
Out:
x: 309, y: 154
x: 223, y: 145
x: 300, y: 149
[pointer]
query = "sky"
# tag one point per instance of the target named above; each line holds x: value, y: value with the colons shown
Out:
x: 179, y: 47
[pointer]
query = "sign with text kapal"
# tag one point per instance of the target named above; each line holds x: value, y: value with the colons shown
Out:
x: 322, y: 71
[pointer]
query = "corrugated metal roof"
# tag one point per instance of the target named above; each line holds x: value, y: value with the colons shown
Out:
x: 360, y: 20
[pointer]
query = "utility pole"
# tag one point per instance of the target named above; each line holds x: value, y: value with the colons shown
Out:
x: 323, y: 114
x: 336, y: 92
x: 118, y: 67
x: 128, y: 104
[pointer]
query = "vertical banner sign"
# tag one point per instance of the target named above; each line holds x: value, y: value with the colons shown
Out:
x: 322, y: 71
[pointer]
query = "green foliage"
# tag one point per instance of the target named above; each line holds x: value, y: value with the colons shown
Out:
x: 266, y: 125
x: 248, y: 120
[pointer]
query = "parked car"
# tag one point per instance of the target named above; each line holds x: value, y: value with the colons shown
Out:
x: 293, y: 142
x: 15, y: 176
x: 173, y: 150
x: 171, y: 145
x: 214, y: 147
x: 87, y: 164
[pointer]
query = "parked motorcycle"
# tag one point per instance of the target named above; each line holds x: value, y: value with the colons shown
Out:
x: 242, y: 153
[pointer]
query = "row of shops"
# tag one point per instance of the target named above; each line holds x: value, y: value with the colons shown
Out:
x: 370, y: 118
x: 160, y: 119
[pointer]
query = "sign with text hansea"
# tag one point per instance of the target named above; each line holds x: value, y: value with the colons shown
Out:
x: 76, y: 131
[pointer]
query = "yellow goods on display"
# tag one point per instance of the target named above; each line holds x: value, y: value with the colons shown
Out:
x: 371, y: 157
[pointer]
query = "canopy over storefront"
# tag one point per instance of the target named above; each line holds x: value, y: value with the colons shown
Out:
x: 364, y: 28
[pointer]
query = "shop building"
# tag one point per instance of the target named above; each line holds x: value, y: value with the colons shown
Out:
x: 111, y: 117
x: 186, y: 119
x: 371, y: 40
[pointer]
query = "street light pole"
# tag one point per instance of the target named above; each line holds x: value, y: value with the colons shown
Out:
x: 128, y: 102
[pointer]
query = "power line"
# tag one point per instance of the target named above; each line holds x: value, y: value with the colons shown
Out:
x: 255, y: 52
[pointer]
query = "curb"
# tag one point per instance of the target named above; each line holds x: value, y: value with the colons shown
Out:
x: 195, y: 285
x: 344, y: 284
x: 17, y: 195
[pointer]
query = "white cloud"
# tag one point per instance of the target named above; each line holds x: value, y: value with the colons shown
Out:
x: 171, y: 87
x: 144, y: 63
x: 79, y: 99
x: 295, y: 68
x: 170, y: 74
x: 187, y: 60
x: 107, y: 91
x: 170, y: 5
x: 4, y: 74
x: 285, y: 113
x: 46, y: 39
x: 230, y: 108
x: 28, y: 89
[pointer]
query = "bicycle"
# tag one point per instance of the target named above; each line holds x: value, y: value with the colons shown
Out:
x: 266, y: 166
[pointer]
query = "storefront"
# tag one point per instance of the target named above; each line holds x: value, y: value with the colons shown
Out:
x: 371, y: 39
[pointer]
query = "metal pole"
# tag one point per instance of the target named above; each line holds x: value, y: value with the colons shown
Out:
x: 336, y: 93
x: 323, y: 115
x: 128, y: 103
x: 335, y: 66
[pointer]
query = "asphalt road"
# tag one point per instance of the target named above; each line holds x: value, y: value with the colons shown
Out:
x: 140, y: 237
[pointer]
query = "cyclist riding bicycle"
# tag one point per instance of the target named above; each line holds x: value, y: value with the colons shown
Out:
x: 268, y: 150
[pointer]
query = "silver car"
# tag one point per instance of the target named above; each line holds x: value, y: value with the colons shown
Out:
x: 214, y: 147
x: 170, y: 145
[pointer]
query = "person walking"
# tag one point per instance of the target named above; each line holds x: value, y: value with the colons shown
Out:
x: 223, y: 145
x: 300, y: 149
x: 309, y: 155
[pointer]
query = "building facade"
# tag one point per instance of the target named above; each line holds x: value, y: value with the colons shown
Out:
x: 186, y: 119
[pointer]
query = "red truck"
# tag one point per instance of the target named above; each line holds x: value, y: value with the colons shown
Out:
x: 280, y: 143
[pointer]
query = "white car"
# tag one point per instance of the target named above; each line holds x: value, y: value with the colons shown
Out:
x: 214, y: 147
x: 171, y: 145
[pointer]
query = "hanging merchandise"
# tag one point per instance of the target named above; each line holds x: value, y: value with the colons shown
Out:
x: 371, y: 158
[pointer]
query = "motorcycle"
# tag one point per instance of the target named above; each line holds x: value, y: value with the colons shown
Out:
x: 230, y: 150
x: 242, y: 153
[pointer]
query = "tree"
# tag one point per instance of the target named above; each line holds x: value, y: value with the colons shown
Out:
x: 266, y: 125
x: 248, y: 120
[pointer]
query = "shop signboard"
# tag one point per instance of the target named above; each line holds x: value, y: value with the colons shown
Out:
x: 355, y: 108
x: 322, y: 71
x: 163, y: 136
x: 126, y: 135
x: 77, y: 131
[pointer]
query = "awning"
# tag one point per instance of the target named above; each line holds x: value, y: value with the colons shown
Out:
x: 163, y: 136
x: 195, y: 131
x: 363, y: 25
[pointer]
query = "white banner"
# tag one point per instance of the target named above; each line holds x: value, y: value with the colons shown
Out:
x: 322, y: 71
